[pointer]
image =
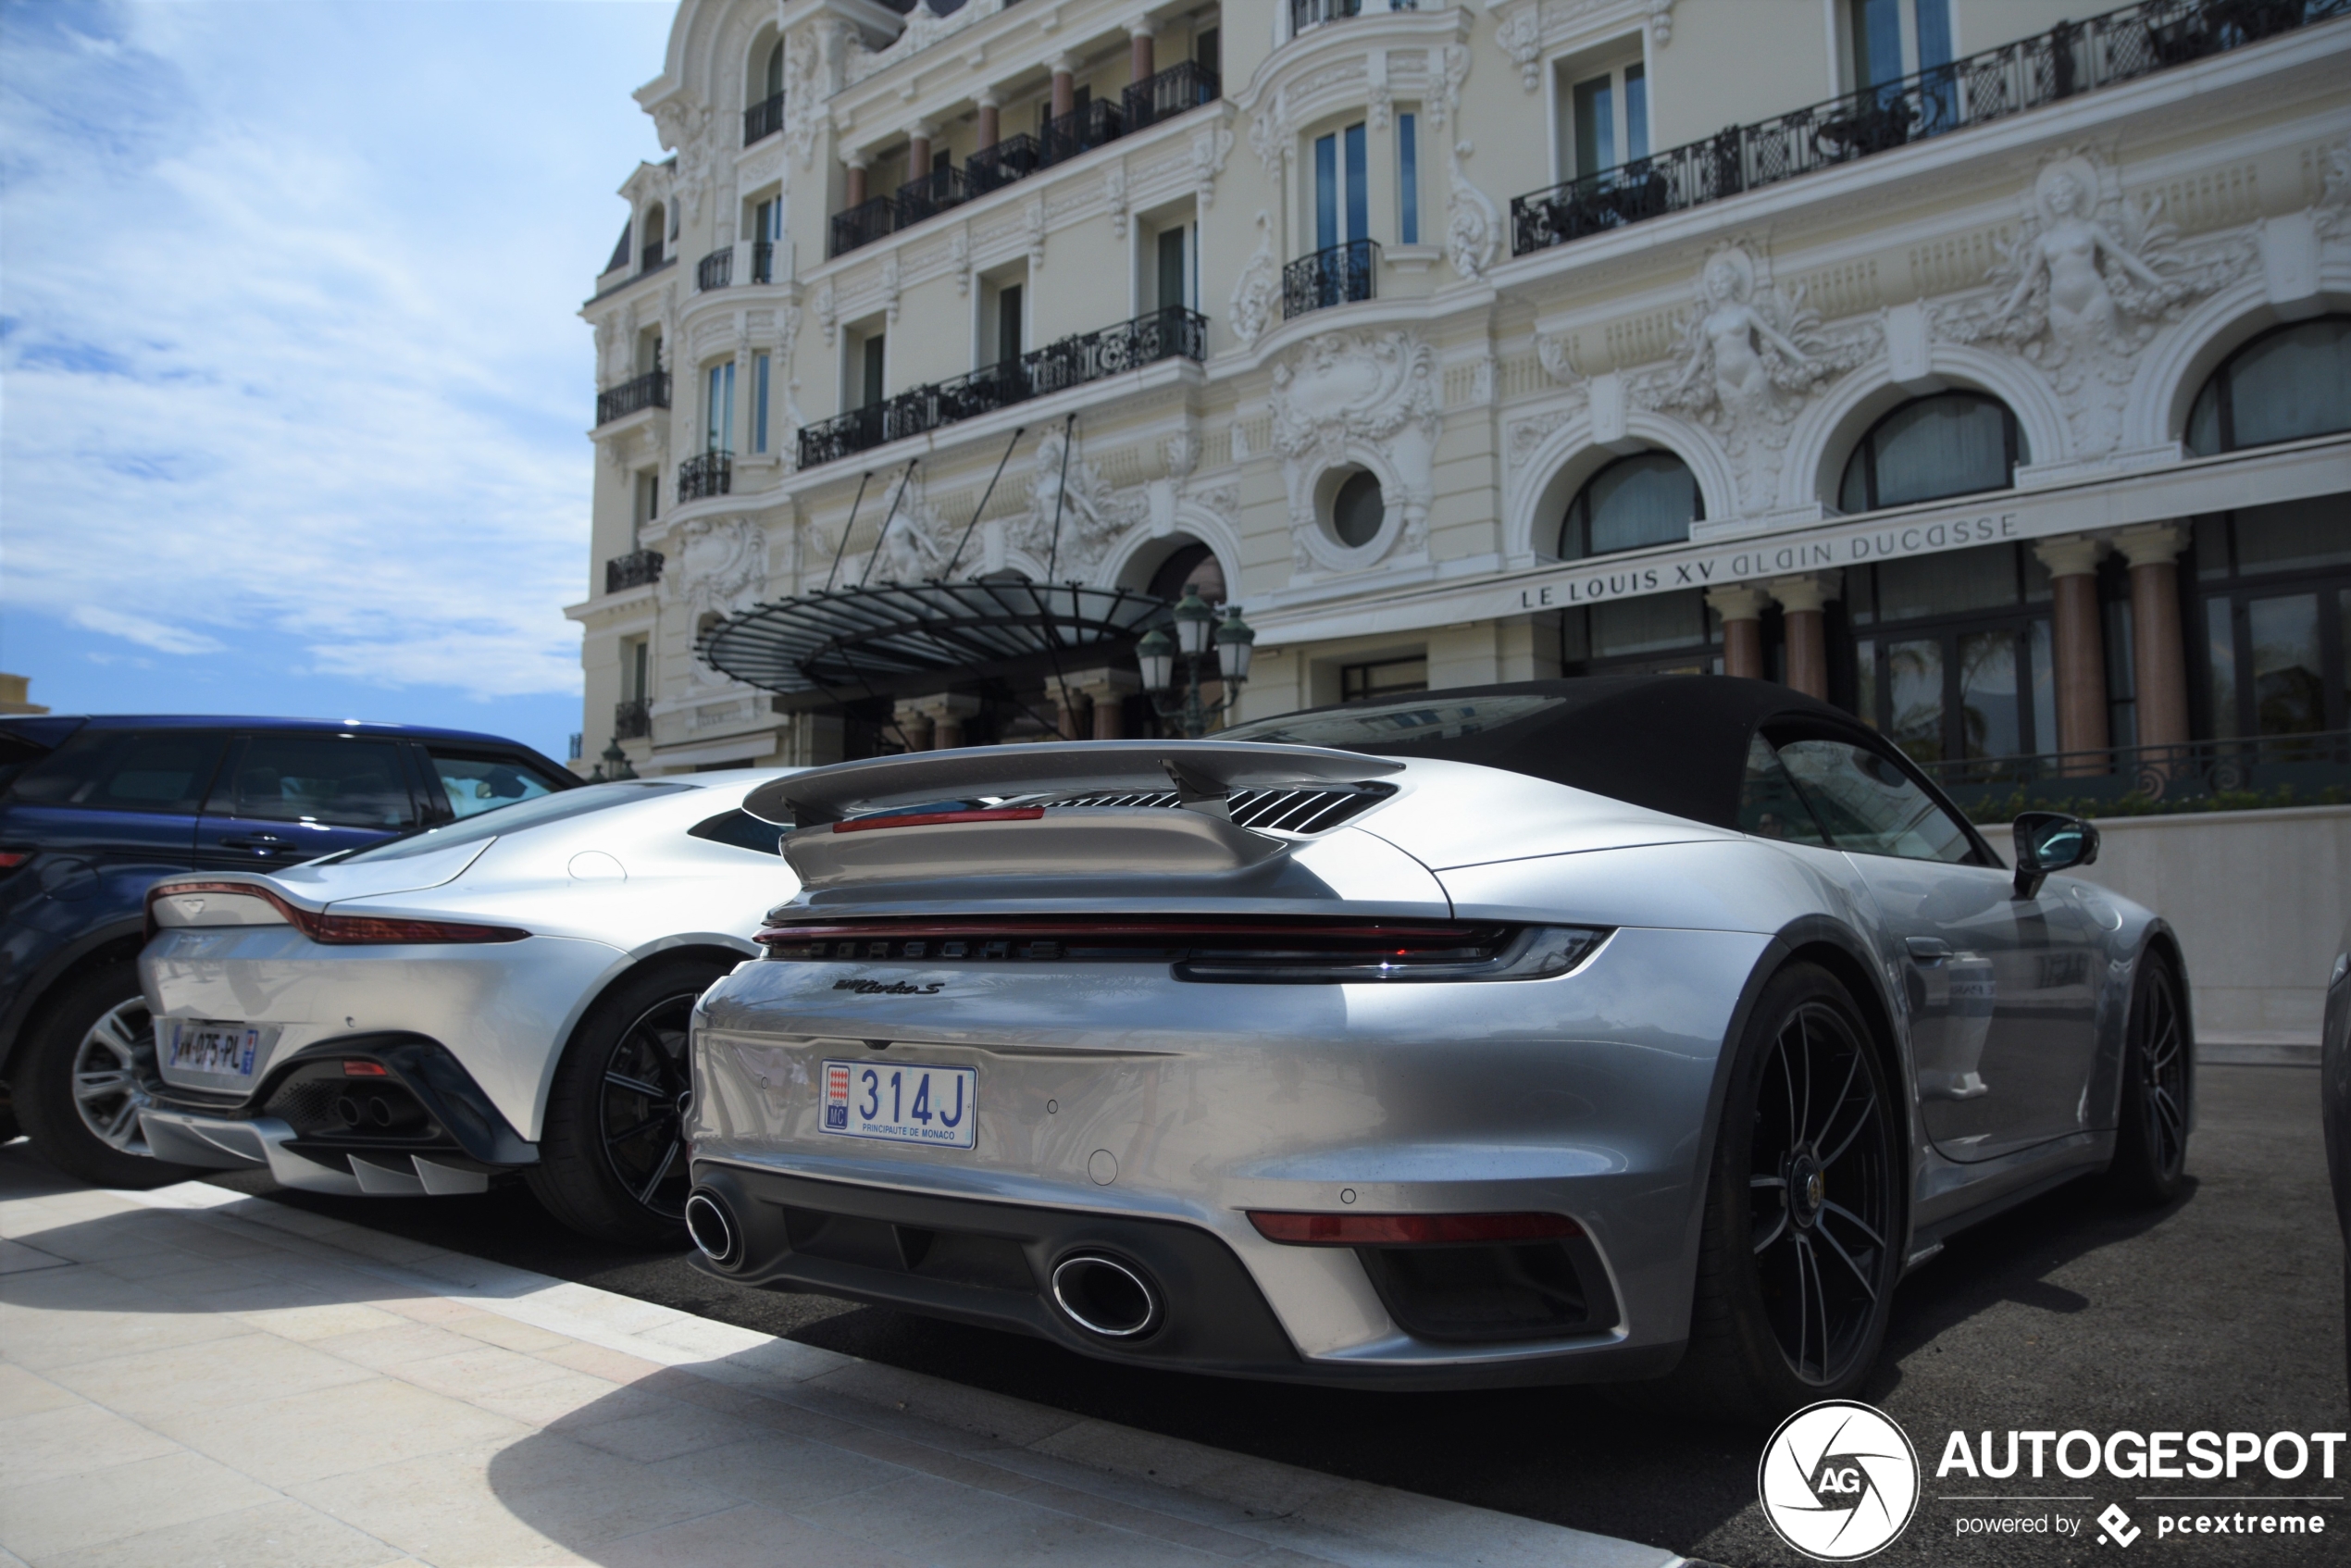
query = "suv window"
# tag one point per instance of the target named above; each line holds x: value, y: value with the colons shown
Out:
x: 336, y: 779
x: 473, y: 782
x: 161, y: 770
x: 1869, y: 805
x: 520, y: 818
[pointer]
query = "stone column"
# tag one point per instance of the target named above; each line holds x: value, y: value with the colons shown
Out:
x: 1064, y: 86
x: 918, y: 152
x: 1741, y: 607
x: 856, y: 162
x: 1803, y: 599
x: 2160, y: 658
x: 1142, y: 39
x: 2079, y: 645
x: 913, y: 723
x: 1108, y: 689
x: 989, y: 126
x: 946, y: 713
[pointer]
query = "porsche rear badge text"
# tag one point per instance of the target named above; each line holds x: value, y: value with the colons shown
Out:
x: 890, y: 988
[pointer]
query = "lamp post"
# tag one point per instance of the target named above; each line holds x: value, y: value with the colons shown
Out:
x: 1199, y: 639
x: 618, y: 769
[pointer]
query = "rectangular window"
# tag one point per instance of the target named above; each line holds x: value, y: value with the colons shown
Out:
x: 2044, y: 727
x: 1989, y: 721
x: 1342, y: 199
x: 1208, y: 49
x: 1637, y: 113
x: 648, y: 506
x: 1941, y: 585
x: 2122, y: 677
x: 1594, y: 126
x: 1171, y: 269
x: 1933, y: 21
x: 718, y: 409
x: 1325, y: 192
x: 759, y: 402
x: 1407, y: 180
x: 2220, y: 658
x: 1865, y: 681
x: 1008, y: 335
x: 2289, y: 692
x: 1386, y: 679
x: 636, y: 661
x: 1648, y: 623
x: 1914, y: 685
x: 870, y: 385
x: 1877, y: 42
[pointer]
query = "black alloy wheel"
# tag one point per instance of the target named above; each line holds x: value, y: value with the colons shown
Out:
x: 83, y: 1074
x: 1822, y: 1208
x: 640, y: 1106
x: 2151, y: 1141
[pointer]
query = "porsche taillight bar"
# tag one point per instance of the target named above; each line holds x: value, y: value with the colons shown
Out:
x: 339, y: 930
x: 1409, y: 1230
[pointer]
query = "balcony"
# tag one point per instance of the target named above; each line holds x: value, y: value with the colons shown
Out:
x: 932, y: 193
x: 1305, y: 14
x: 651, y: 256
x: 1171, y: 333
x: 711, y: 474
x: 633, y: 719
x: 1340, y: 275
x: 648, y: 390
x: 2069, y: 59
x: 1176, y: 90
x: 763, y: 261
x: 1080, y: 131
x: 762, y: 119
x: 716, y: 270
x: 638, y: 569
x: 2237, y: 774
x: 863, y: 224
x: 1013, y: 158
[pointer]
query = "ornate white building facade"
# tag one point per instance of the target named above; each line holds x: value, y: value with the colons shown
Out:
x: 1986, y: 376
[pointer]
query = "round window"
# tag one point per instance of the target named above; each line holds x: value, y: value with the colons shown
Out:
x: 1357, y: 511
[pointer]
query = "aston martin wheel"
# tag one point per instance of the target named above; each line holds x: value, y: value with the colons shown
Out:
x: 612, y: 1164
x: 1802, y: 1234
x: 2151, y: 1141
x: 81, y: 1076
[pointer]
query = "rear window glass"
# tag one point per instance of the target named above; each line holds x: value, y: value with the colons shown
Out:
x: 476, y: 782
x: 329, y: 778
x: 1391, y: 724
x: 163, y: 770
x: 519, y: 818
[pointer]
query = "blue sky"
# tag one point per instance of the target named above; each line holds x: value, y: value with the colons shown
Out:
x: 292, y: 392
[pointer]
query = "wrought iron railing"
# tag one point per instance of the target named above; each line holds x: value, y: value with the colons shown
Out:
x: 638, y: 569
x: 1080, y: 131
x: 632, y: 719
x: 648, y: 390
x: 712, y: 473
x: 1174, y: 333
x: 1180, y: 88
x: 716, y: 270
x: 1337, y: 276
x: 2070, y: 58
x: 1013, y: 158
x: 763, y: 118
x: 763, y: 261
x: 2234, y: 772
x: 863, y: 223
x: 932, y: 193
x: 1304, y: 13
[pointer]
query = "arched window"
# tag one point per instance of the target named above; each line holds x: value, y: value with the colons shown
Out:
x: 1954, y: 443
x: 1189, y: 566
x: 775, y: 71
x: 2291, y: 382
x: 654, y: 230
x: 1649, y: 498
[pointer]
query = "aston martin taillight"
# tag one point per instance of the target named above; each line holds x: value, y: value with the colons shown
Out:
x: 334, y: 930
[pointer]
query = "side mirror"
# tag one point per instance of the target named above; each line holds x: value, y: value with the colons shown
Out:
x: 2047, y: 841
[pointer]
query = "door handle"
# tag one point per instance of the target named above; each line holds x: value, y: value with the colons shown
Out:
x: 260, y: 843
x: 1928, y: 950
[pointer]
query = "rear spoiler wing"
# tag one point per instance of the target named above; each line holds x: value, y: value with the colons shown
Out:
x: 1203, y: 773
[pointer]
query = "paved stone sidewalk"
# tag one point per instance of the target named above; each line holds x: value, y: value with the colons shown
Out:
x: 189, y: 1377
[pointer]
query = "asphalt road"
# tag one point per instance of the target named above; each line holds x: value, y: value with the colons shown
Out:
x: 2223, y: 1311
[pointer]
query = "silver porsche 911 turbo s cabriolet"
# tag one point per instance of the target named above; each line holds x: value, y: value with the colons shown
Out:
x: 1642, y: 1027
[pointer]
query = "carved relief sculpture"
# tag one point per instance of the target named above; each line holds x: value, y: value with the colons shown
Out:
x: 1259, y: 289
x: 1367, y: 397
x: 1473, y: 223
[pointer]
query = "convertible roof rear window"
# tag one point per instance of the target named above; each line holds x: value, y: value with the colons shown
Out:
x: 519, y: 817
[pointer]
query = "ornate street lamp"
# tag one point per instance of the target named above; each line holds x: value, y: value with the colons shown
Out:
x: 618, y: 769
x: 1196, y: 630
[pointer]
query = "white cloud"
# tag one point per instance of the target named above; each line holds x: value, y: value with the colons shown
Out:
x: 286, y: 322
x: 162, y: 638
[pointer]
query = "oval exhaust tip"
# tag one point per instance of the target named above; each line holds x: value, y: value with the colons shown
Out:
x: 1106, y: 1296
x: 711, y: 1227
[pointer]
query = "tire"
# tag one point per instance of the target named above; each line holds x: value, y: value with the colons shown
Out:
x: 610, y: 1164
x: 78, y: 1081
x: 2159, y: 1084
x: 1800, y: 1246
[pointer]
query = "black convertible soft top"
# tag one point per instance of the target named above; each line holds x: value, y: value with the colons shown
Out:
x: 1675, y: 743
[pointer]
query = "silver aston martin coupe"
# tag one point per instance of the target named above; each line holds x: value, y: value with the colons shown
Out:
x: 1614, y: 1028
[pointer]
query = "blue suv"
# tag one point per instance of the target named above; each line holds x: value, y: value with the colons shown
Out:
x: 93, y: 810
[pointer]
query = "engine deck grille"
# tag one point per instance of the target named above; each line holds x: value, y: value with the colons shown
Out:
x: 1301, y: 810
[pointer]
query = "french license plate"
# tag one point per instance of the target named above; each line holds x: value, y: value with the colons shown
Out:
x: 902, y: 1101
x: 221, y: 1051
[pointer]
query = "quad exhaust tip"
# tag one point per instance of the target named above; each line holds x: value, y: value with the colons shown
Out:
x: 1106, y: 1296
x: 712, y: 1226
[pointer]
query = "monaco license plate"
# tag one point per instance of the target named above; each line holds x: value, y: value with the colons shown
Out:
x: 902, y: 1101
x: 218, y: 1050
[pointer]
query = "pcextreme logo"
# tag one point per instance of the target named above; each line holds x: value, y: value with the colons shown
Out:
x: 1838, y: 1481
